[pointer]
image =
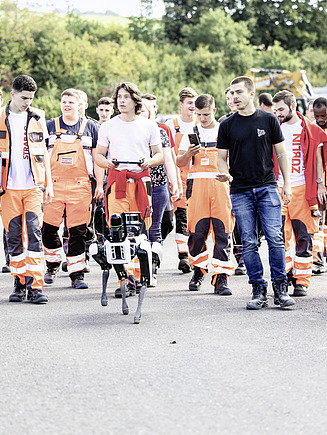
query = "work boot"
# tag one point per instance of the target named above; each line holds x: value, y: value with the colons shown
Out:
x: 19, y: 293
x: 196, y: 280
x: 281, y: 297
x: 51, y: 272
x: 300, y: 290
x: 77, y: 280
x: 318, y: 268
x: 79, y: 283
x: 221, y: 286
x: 184, y: 265
x: 240, y: 270
x: 36, y: 297
x: 259, y: 297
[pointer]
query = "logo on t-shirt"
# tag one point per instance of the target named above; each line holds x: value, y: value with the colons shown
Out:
x: 260, y: 132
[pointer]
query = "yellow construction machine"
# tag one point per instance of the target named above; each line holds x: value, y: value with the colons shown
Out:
x: 278, y: 79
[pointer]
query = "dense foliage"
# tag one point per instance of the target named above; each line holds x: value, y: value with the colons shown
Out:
x: 214, y: 43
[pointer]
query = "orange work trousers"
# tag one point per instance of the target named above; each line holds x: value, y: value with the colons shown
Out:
x: 22, y: 220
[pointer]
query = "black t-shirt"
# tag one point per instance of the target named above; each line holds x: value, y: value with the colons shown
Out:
x: 249, y: 140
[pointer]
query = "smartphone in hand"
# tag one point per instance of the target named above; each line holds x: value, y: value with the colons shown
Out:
x: 194, y: 139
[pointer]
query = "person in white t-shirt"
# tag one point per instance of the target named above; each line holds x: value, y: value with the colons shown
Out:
x: 208, y: 201
x: 129, y: 137
x: 25, y: 176
x: 301, y: 215
x: 178, y: 126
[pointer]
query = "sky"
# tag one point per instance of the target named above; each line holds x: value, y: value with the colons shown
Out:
x: 124, y: 8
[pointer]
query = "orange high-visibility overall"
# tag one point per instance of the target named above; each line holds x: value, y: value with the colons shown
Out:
x: 209, y: 208
x: 298, y: 219
x: 72, y: 193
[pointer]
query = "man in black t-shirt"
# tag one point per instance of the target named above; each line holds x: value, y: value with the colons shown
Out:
x: 246, y: 138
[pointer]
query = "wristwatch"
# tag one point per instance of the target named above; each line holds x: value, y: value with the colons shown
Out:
x: 319, y: 180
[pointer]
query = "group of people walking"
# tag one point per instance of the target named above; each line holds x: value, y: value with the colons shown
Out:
x: 263, y: 169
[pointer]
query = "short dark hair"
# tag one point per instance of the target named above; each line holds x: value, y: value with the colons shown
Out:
x: 265, y: 99
x: 149, y: 97
x: 204, y: 100
x: 320, y: 102
x: 24, y: 83
x: 248, y: 83
x: 105, y: 100
x: 286, y: 96
x: 134, y: 92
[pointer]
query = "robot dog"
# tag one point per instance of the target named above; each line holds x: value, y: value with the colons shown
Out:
x: 116, y: 246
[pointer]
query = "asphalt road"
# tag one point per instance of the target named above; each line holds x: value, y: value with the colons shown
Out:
x: 197, y: 363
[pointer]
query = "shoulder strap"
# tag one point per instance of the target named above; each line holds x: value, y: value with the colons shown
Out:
x: 57, y: 127
x: 176, y: 125
x: 82, y: 128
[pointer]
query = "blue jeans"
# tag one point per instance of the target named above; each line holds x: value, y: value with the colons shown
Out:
x: 265, y: 201
x: 160, y: 196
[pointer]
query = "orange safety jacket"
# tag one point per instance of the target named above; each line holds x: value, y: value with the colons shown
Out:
x: 204, y: 164
x: 35, y: 143
x: 311, y: 136
x: 67, y: 159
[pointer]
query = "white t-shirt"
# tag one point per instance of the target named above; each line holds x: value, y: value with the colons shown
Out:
x: 20, y: 175
x: 129, y: 141
x: 183, y: 126
x: 292, y: 135
x: 206, y: 135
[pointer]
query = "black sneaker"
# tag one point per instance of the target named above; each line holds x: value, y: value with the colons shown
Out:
x: 259, y: 297
x: 19, y: 293
x: 221, y: 286
x: 240, y: 270
x: 184, y: 265
x: 79, y: 283
x: 196, y: 280
x: 37, y: 297
x: 300, y: 290
x: 51, y: 272
x: 6, y: 269
x: 281, y: 297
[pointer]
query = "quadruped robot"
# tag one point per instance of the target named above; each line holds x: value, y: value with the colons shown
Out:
x: 116, y: 246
